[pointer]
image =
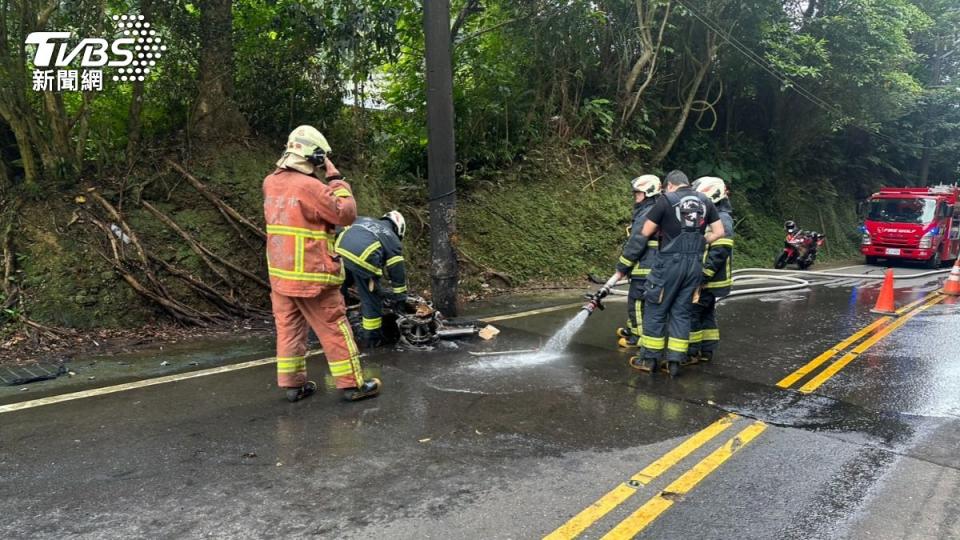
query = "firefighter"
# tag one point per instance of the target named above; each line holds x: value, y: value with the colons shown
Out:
x: 371, y: 248
x: 717, y: 274
x: 646, y: 189
x: 681, y: 216
x: 301, y: 212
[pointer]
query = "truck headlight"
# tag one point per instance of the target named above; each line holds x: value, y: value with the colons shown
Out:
x: 866, y: 240
x: 926, y: 242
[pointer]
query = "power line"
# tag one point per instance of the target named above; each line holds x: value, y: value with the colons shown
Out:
x: 786, y: 79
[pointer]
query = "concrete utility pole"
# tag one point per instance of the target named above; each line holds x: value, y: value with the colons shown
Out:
x: 441, y: 155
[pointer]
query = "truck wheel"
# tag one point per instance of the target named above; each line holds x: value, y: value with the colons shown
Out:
x: 871, y: 260
x: 781, y: 261
x: 934, y: 261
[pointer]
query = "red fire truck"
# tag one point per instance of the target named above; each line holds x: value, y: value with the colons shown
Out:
x: 921, y: 224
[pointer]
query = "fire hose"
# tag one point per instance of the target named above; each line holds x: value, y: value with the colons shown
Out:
x: 797, y: 282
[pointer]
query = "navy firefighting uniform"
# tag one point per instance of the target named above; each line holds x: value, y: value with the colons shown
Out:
x: 637, y: 266
x: 717, y: 271
x: 682, y: 217
x: 371, y: 248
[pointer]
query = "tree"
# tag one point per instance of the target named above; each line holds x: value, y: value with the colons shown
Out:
x: 215, y: 114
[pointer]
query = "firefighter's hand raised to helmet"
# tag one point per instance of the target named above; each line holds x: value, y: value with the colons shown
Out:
x: 332, y: 171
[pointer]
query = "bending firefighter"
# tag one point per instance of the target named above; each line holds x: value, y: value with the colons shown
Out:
x: 646, y: 190
x: 681, y: 216
x: 717, y: 275
x: 370, y: 248
x: 301, y: 212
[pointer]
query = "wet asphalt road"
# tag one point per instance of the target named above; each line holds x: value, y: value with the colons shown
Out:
x: 513, y: 447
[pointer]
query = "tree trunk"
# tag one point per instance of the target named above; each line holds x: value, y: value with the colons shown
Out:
x: 701, y: 74
x: 215, y: 114
x: 21, y: 132
x: 134, y: 122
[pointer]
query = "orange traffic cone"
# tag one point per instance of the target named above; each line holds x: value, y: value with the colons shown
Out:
x: 952, y: 285
x: 885, y: 305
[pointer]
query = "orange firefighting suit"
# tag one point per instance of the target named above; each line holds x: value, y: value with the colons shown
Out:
x: 305, y: 274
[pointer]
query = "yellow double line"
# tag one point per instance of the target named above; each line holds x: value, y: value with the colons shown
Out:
x: 877, y: 330
x: 659, y: 503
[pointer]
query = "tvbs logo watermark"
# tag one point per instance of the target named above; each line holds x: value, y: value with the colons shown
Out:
x: 133, y: 55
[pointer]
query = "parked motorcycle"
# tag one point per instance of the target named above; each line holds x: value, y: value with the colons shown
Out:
x: 800, y: 247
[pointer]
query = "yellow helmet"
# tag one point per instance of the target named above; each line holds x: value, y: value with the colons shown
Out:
x: 647, y: 184
x: 308, y: 143
x: 712, y: 187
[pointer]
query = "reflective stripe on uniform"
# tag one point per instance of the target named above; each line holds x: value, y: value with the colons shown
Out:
x: 678, y: 345
x: 286, y: 230
x: 720, y: 284
x: 653, y: 243
x: 637, y: 271
x: 298, y: 254
x: 291, y: 364
x: 342, y: 192
x: 625, y: 261
x: 394, y: 260
x: 711, y: 334
x: 340, y: 368
x: 696, y: 337
x: 400, y: 290
x: 372, y: 324
x: 709, y: 272
x: 319, y: 277
x: 360, y: 260
x: 354, y: 353
x: 638, y: 314
x: 298, y: 272
x: 728, y: 242
x: 653, y: 343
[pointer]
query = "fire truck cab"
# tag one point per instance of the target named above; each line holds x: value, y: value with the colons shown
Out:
x: 921, y: 224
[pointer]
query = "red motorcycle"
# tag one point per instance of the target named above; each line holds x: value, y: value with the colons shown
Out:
x: 800, y: 247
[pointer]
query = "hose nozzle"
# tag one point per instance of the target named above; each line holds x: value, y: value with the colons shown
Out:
x: 594, y: 302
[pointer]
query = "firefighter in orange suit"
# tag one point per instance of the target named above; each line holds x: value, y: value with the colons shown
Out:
x: 301, y: 213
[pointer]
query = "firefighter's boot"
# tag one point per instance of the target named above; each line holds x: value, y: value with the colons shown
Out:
x: 370, y: 388
x: 301, y: 392
x: 624, y: 332
x: 706, y: 356
x: 671, y: 367
x: 690, y: 360
x: 628, y: 342
x: 647, y: 365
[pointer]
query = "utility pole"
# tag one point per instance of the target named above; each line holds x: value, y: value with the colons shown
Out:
x: 441, y: 155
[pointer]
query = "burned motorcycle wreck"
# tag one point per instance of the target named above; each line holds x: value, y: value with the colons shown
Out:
x: 414, y: 324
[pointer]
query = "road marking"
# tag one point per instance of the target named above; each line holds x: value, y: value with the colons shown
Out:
x: 789, y: 380
x: 657, y: 505
x: 621, y: 493
x: 131, y: 386
x: 834, y: 368
x: 810, y: 366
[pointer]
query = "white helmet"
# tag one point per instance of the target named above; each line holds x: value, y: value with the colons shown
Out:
x: 308, y: 143
x: 712, y: 187
x: 399, y: 223
x: 647, y: 184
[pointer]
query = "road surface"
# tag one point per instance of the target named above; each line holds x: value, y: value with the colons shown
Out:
x: 815, y: 421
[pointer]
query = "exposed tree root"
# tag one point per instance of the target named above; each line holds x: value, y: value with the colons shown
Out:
x: 229, y: 213
x: 194, y: 245
x: 182, y: 313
